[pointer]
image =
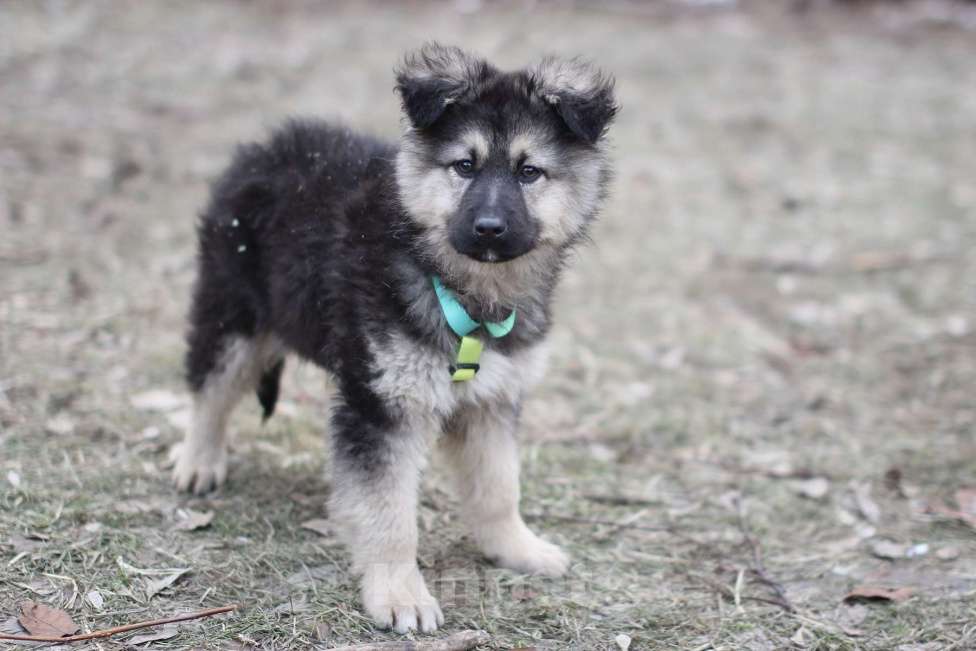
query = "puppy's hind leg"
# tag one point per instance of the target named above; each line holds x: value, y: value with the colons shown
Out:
x: 482, y: 453
x: 237, y: 364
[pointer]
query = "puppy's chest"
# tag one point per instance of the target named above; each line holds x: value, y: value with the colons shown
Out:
x: 417, y: 380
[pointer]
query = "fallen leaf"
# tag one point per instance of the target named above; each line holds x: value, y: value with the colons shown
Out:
x: 166, y: 632
x: 39, y: 619
x: 888, y: 549
x: 815, y: 488
x: 193, y: 520
x: 158, y: 400
x: 42, y: 587
x: 153, y: 587
x: 865, y: 503
x: 872, y: 593
x: 138, y: 571
x: 95, y: 599
x: 319, y: 526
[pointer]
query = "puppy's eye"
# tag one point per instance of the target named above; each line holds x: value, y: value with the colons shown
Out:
x: 464, y: 168
x: 528, y: 173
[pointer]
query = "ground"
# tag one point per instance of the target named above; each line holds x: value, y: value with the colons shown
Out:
x: 762, y: 390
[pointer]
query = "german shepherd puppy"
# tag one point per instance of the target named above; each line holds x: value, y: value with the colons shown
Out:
x: 359, y: 255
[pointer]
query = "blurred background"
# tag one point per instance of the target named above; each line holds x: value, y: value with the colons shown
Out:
x: 762, y: 399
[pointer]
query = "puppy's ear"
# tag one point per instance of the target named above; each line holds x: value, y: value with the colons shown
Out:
x: 435, y: 76
x: 580, y: 93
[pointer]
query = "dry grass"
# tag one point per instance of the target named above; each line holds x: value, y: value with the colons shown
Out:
x: 782, y: 287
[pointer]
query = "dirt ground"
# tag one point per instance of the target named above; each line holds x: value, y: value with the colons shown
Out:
x: 762, y: 395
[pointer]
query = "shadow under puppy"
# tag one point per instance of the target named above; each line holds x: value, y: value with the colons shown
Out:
x: 420, y: 275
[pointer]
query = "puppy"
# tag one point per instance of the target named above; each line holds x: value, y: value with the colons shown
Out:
x: 420, y: 275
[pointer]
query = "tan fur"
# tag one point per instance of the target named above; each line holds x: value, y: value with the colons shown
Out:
x: 377, y: 519
x: 413, y: 379
x: 576, y: 75
x: 200, y: 461
x: 440, y: 62
x: 484, y: 456
x: 568, y: 192
x: 485, y: 464
x: 560, y: 201
x: 472, y: 144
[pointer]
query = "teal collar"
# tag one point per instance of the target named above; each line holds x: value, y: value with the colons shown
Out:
x: 460, y: 321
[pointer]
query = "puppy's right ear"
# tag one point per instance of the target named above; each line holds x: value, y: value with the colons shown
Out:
x: 433, y: 77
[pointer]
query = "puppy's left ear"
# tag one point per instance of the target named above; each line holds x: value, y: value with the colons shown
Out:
x: 580, y: 94
x: 433, y: 77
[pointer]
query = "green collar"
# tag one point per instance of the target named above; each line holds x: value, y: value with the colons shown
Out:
x: 468, y: 358
x: 460, y: 321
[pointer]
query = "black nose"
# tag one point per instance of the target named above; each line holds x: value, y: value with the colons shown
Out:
x: 489, y: 226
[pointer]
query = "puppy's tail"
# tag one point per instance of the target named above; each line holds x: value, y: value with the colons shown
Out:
x: 268, y: 389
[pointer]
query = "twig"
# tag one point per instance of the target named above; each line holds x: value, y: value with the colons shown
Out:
x: 620, y: 500
x: 458, y: 642
x: 108, y: 632
x: 728, y: 592
x: 758, y: 569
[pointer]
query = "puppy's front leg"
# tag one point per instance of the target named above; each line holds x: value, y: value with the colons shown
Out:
x: 376, y: 475
x: 483, y: 454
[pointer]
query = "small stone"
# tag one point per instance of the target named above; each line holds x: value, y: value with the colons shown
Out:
x: 60, y: 424
x: 888, y: 549
x: 815, y: 488
x: 95, y: 599
x: 947, y: 553
x: 957, y: 325
x: 622, y: 641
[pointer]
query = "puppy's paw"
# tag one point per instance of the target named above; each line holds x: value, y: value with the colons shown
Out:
x: 395, y: 596
x: 521, y: 550
x: 198, y: 472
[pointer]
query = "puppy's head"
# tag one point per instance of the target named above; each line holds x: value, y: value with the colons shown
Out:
x: 495, y: 165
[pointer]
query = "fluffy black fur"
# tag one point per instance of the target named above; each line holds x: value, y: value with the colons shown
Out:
x: 305, y: 239
x: 323, y: 243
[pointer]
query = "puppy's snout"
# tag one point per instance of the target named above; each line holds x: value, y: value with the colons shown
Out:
x: 490, y: 226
